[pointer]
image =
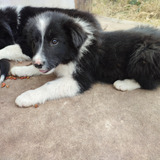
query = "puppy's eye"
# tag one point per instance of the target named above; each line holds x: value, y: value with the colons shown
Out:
x: 54, y: 41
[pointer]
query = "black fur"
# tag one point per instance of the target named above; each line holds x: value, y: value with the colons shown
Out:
x: 123, y: 55
x: 4, y: 70
x: 8, y: 29
x: 130, y: 55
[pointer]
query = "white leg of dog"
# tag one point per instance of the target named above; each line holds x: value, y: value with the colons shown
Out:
x: 2, y: 78
x: 25, y: 71
x: 30, y: 70
x: 62, y: 87
x: 126, y: 85
x: 13, y: 52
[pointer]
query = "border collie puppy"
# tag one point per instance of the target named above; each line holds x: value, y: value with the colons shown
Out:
x: 13, y: 45
x: 81, y: 56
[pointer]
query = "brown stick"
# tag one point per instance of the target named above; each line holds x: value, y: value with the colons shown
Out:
x: 85, y: 5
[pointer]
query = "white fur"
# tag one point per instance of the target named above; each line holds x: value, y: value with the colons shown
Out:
x: 3, y: 7
x: 61, y: 70
x: 90, y: 37
x: 18, y: 10
x: 25, y: 71
x: 13, y: 52
x: 42, y: 23
x: 66, y: 69
x: 59, y: 88
x: 126, y: 85
x: 2, y: 78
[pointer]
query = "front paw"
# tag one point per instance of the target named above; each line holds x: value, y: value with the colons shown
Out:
x: 27, y: 99
x: 18, y: 71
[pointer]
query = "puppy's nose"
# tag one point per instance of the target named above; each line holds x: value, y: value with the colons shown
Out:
x: 38, y: 64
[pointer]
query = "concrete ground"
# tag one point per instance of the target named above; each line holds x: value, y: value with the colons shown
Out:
x: 101, y: 124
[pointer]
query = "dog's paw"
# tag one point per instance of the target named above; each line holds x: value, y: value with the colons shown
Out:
x: 126, y: 85
x: 27, y: 99
x: 25, y: 71
x: 2, y: 78
x: 18, y: 71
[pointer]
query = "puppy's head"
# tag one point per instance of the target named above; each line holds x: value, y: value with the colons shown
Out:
x: 55, y: 39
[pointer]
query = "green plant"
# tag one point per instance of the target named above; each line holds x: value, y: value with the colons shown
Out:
x: 134, y: 2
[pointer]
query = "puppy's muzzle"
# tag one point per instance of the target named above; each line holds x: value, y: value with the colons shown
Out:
x: 38, y: 64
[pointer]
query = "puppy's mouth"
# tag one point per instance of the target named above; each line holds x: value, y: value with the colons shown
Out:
x: 44, y: 71
x: 47, y: 71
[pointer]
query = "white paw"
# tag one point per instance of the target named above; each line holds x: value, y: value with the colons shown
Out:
x: 18, y: 71
x: 25, y: 71
x: 28, y: 98
x: 2, y: 78
x: 126, y: 85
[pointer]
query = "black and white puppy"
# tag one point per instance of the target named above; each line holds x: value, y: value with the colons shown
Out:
x: 80, y: 56
x: 14, y: 43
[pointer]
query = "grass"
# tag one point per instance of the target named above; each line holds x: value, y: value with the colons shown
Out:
x: 145, y: 11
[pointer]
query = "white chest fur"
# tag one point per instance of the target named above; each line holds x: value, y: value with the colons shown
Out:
x: 65, y: 69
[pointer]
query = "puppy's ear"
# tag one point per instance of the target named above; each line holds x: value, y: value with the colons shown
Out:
x: 76, y: 32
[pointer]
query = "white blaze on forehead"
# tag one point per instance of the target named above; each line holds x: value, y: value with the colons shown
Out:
x: 42, y: 24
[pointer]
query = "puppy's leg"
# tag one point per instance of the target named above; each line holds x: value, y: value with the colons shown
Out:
x: 25, y: 71
x: 13, y: 52
x: 2, y: 78
x: 4, y: 69
x: 126, y: 85
x: 63, y: 87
